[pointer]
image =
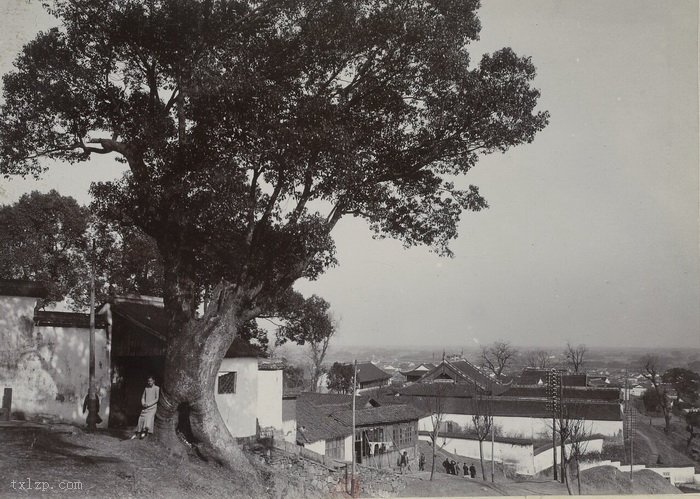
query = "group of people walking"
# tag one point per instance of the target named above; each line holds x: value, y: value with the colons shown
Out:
x: 452, y: 468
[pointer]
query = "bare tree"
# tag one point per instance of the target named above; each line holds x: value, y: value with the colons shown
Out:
x: 579, y: 436
x: 497, y: 357
x: 436, y: 406
x: 575, y: 356
x: 538, y: 359
x: 482, y: 420
x: 652, y: 373
x: 572, y: 430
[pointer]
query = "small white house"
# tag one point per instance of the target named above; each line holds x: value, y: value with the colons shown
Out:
x: 248, y: 392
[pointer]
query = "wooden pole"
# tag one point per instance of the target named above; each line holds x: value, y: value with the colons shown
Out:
x: 92, y: 394
x: 353, y: 481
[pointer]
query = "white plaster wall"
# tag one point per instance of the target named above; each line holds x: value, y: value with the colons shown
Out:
x: 269, y: 408
x: 289, y: 430
x: 48, y: 367
x: 520, y: 455
x: 348, y: 448
x: 543, y: 460
x: 524, y: 427
x: 238, y: 410
x: 318, y: 447
x: 676, y: 475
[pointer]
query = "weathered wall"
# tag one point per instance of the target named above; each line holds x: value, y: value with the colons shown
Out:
x: 238, y: 410
x: 47, y: 367
x: 270, y: 399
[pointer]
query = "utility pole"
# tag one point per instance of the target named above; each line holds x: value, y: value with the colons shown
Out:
x: 92, y: 395
x: 553, y: 406
x: 493, y: 459
x: 354, y: 492
x: 562, y: 430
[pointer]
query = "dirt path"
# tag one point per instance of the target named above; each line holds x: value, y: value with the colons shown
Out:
x: 653, y: 449
x: 443, y: 485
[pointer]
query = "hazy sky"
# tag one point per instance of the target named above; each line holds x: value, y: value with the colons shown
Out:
x: 592, y: 234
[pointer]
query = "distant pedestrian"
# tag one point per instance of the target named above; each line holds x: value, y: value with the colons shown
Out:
x: 472, y: 471
x: 455, y: 466
x: 465, y: 470
x: 149, y: 402
x: 421, y: 462
x: 446, y: 465
x: 403, y: 463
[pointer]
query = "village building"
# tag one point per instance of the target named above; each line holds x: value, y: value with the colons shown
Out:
x: 459, y: 370
x: 382, y: 434
x: 248, y: 389
x: 44, y: 359
x: 520, y: 412
x: 413, y: 375
x: 44, y: 356
x: 370, y: 377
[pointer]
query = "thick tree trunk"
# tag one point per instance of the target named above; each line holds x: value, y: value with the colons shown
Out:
x: 194, y: 354
x: 191, y: 364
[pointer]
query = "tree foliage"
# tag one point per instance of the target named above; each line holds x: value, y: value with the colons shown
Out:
x: 44, y: 239
x: 684, y: 381
x: 309, y: 322
x: 340, y: 378
x: 47, y: 239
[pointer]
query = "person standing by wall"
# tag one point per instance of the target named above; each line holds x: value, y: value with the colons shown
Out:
x: 149, y: 402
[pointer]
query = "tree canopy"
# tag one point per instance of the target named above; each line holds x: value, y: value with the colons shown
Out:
x: 47, y: 238
x: 235, y: 118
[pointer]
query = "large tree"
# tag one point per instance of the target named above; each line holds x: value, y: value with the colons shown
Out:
x: 249, y: 129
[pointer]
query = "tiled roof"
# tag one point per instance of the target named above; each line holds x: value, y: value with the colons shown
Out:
x: 531, y: 376
x: 368, y: 372
x: 314, y: 423
x: 380, y: 415
x: 462, y: 371
x: 321, y: 416
x: 573, y: 392
x: 519, y: 407
x: 437, y: 388
x: 17, y: 287
x: 472, y: 372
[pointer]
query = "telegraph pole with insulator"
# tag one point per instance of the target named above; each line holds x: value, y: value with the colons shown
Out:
x: 553, y: 403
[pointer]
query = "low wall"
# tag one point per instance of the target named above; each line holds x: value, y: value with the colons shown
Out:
x: 543, y: 460
x: 520, y: 455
